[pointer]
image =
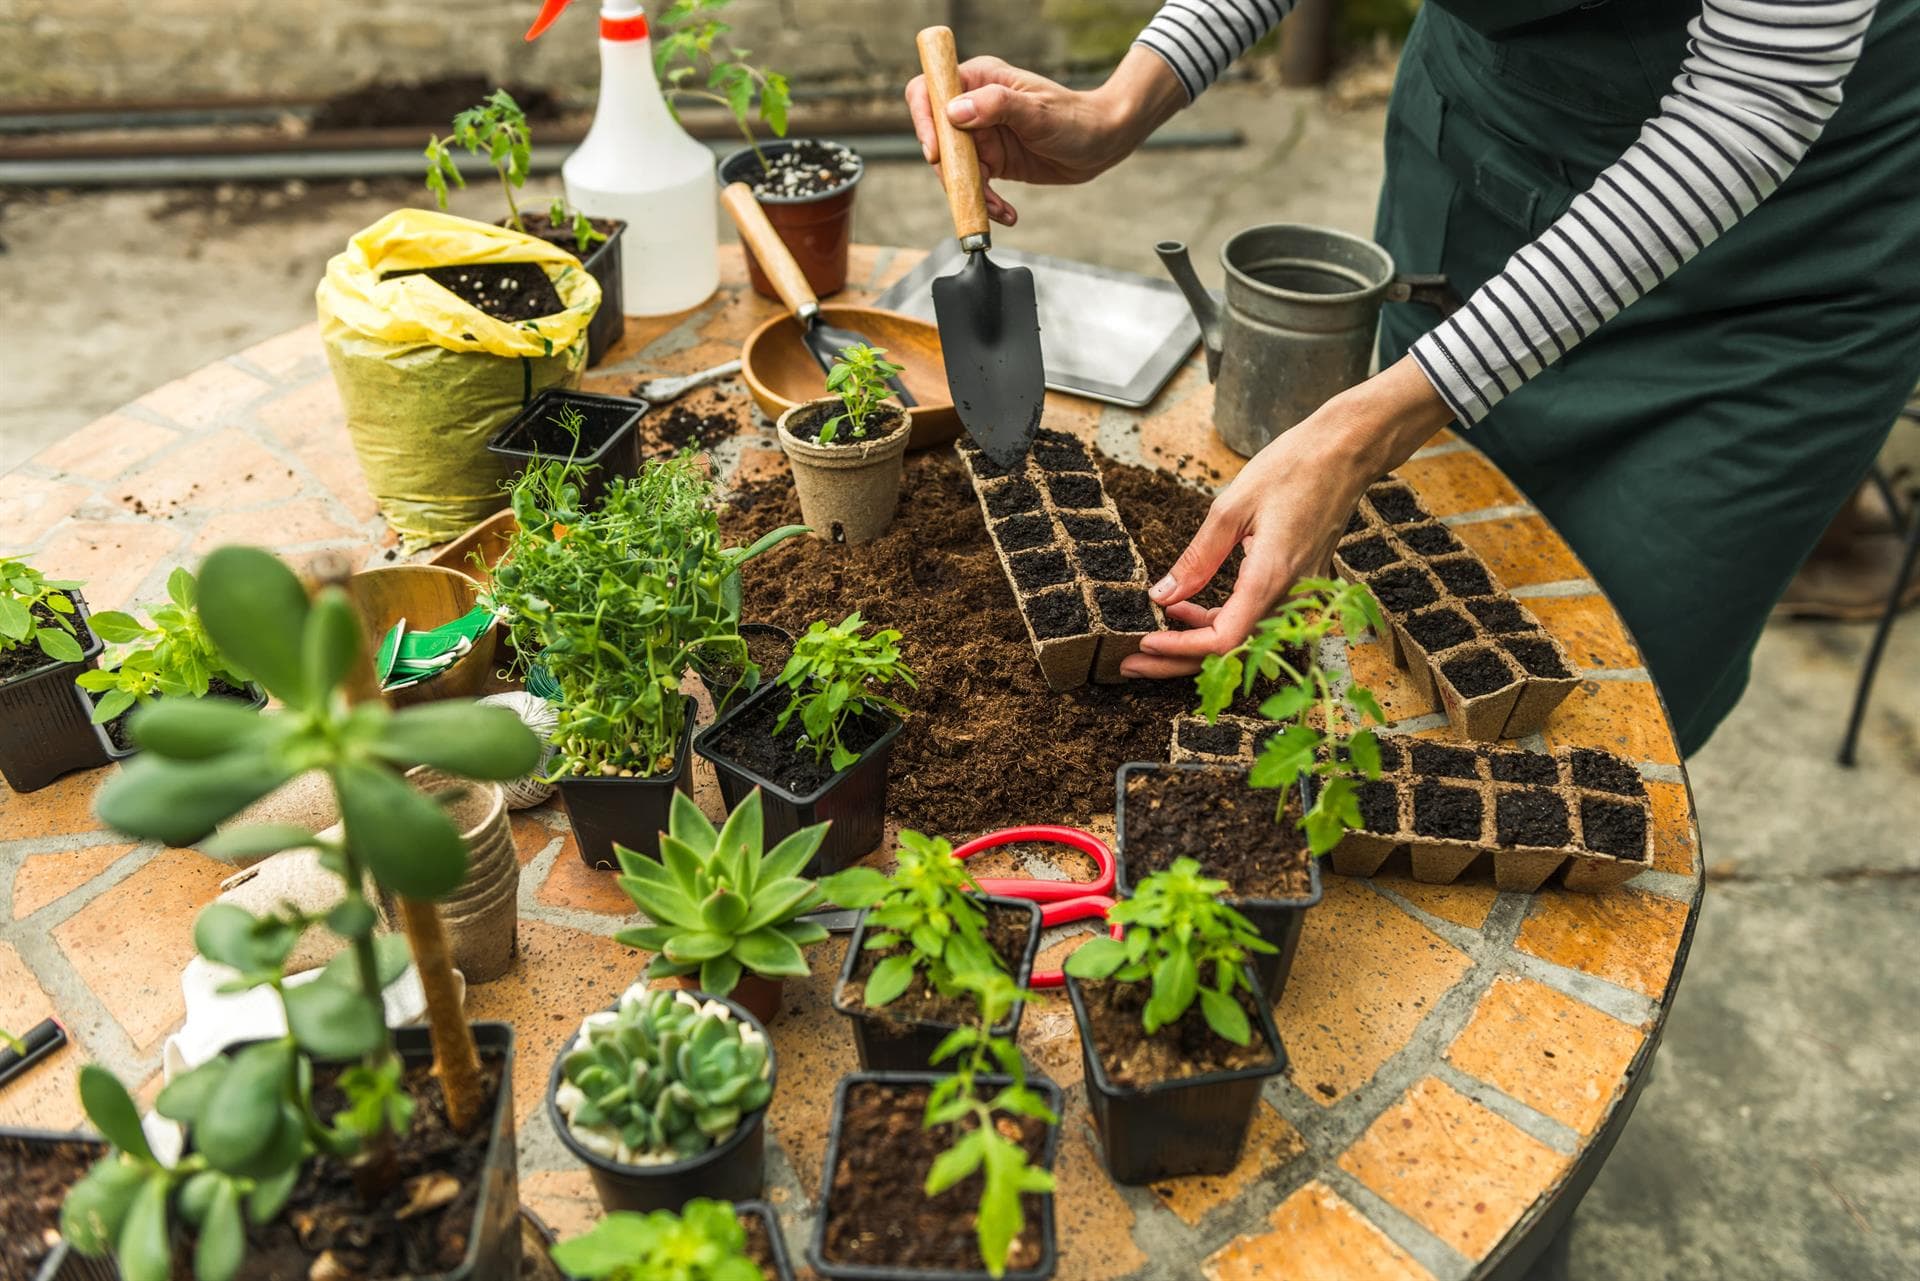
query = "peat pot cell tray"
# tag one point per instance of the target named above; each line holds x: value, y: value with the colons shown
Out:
x: 1447, y: 812
x: 1438, y: 760
x: 1019, y: 533
x: 1530, y: 816
x: 1537, y: 657
x: 1125, y: 609
x: 1364, y: 555
x: 1523, y: 767
x: 1396, y: 505
x: 1618, y: 828
x: 1500, y: 615
x: 1108, y: 562
x: 1605, y: 772
x: 1056, y: 451
x: 1196, y: 735
x: 1389, y: 753
x: 1091, y: 528
x: 1010, y: 497
x: 1054, y: 614
x: 510, y: 291
x: 1380, y: 806
x: 1356, y: 522
x: 1438, y: 629
x: 1430, y: 540
x: 1403, y: 589
x: 1476, y: 673
x: 1046, y: 567
x: 1463, y: 576
x: 1076, y: 489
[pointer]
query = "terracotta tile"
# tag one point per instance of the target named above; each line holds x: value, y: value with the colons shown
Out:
x: 1589, y: 628
x: 1621, y: 716
x: 1094, y: 1221
x: 32, y: 505
x: 131, y: 943
x: 304, y: 520
x: 1461, y: 1172
x: 208, y: 397
x: 1522, y: 550
x: 45, y: 1098
x: 607, y: 382
x: 573, y: 884
x: 1374, y: 669
x: 107, y: 446
x: 815, y: 1049
x: 564, y: 1199
x: 559, y: 977
x: 227, y: 469
x: 294, y: 355
x: 1048, y: 1033
x: 1365, y: 976
x: 1461, y: 481
x: 42, y: 878
x: 1271, y: 1144
x: 113, y: 558
x: 61, y: 808
x: 1674, y: 840
x: 1548, y: 1050
x: 1625, y: 936
x: 1463, y: 902
x: 1178, y: 437
x: 309, y: 421
x: 1317, y: 1236
x: 531, y: 835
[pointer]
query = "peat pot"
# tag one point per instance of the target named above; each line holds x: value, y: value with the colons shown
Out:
x: 848, y: 491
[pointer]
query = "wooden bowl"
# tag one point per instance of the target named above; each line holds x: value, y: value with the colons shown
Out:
x: 782, y: 373
x: 426, y: 596
x: 488, y: 540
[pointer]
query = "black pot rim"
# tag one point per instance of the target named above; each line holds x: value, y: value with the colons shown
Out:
x: 115, y: 753
x: 1049, y: 1257
x: 766, y: 691
x: 1105, y: 1084
x: 1123, y: 886
x: 53, y: 665
x: 1025, y: 972
x: 782, y: 1264
x: 637, y: 407
x: 681, y: 758
x: 667, y: 1169
x: 780, y: 146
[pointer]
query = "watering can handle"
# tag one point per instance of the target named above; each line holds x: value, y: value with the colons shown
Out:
x: 959, y: 162
x: 1432, y: 290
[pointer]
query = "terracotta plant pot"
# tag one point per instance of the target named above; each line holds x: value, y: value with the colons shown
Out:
x: 818, y: 228
x: 482, y: 914
x: 848, y: 492
x: 426, y: 596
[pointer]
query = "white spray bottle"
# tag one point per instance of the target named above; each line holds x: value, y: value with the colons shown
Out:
x: 637, y: 164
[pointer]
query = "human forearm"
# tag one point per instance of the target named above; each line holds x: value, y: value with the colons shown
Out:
x: 1141, y: 95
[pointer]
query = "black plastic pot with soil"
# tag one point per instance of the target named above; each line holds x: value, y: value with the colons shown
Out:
x: 806, y: 186
x: 727, y: 680
x: 631, y: 811
x: 796, y: 789
x: 602, y: 261
x: 46, y: 721
x: 902, y: 1035
x: 608, y: 446
x: 120, y: 744
x: 36, y: 1169
x: 765, y: 1246
x: 874, y: 1224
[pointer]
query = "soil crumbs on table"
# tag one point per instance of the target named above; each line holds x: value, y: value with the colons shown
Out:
x: 1185, y: 1048
x: 509, y: 291
x: 1008, y: 931
x: 683, y: 427
x: 1214, y: 818
x: 36, y: 1178
x: 875, y: 1214
x: 749, y: 742
x: 986, y: 743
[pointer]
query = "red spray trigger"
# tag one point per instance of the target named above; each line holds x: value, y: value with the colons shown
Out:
x: 549, y: 11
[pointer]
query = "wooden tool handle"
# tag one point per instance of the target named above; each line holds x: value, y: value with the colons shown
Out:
x: 775, y: 258
x: 959, y: 162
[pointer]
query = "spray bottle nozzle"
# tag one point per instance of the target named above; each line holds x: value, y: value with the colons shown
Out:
x: 549, y: 11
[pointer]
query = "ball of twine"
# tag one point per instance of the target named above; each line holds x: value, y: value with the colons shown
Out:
x: 536, y: 714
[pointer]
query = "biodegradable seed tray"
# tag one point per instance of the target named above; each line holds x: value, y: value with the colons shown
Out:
x: 1469, y: 646
x: 1079, y: 580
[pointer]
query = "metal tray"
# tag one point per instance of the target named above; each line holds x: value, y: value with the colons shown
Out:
x: 1112, y: 335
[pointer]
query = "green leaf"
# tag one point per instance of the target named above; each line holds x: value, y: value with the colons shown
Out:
x: 16, y: 620
x: 111, y: 1109
x: 771, y: 954
x: 855, y: 887
x: 1175, y: 980
x: 329, y: 642
x: 956, y: 1163
x: 890, y: 978
x: 403, y: 837
x: 236, y: 938
x: 223, y: 1239
x: 1225, y: 1017
x: 331, y: 1021
x: 776, y: 901
x: 723, y: 910
x: 743, y: 835
x: 111, y: 626
x: 353, y: 918
x: 58, y: 646
x: 490, y: 743
x: 256, y: 612
x: 269, y: 1195
x: 240, y: 843
x: 248, y: 1117
x: 196, y: 729
x: 143, y: 1254
x: 179, y: 802
x: 698, y: 946
x: 791, y: 855
x: 97, y: 1206
x: 1097, y: 958
x: 187, y: 1095
x: 719, y: 976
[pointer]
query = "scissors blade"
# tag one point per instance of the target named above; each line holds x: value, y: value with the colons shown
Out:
x: 835, y: 922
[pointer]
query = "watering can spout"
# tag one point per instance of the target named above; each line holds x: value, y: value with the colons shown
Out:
x: 1173, y: 253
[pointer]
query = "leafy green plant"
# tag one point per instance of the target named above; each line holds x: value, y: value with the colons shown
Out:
x: 704, y: 1242
x: 859, y: 377
x: 251, y: 1114
x: 1006, y: 1173
x: 925, y: 907
x: 691, y: 44
x: 497, y: 128
x: 173, y: 657
x: 1177, y: 928
x: 37, y: 610
x: 664, y: 1074
x: 833, y: 677
x: 720, y: 909
x: 1305, y: 694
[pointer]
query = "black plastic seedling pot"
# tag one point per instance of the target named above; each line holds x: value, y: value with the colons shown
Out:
x: 257, y: 701
x: 609, y: 323
x: 1172, y: 1129
x: 63, y: 1262
x: 46, y: 721
x: 899, y: 1045
x: 782, y: 1265
x: 854, y: 800
x: 1278, y: 920
x: 630, y: 811
x: 1049, y: 1247
x: 609, y: 437
x: 733, y: 1170
x: 718, y: 691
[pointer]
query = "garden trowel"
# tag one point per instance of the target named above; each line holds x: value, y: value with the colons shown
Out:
x: 989, y: 318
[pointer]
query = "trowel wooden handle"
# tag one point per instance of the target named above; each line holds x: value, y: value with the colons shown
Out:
x: 959, y: 162
x: 775, y: 258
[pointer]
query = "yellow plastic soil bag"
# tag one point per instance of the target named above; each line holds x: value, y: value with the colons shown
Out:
x: 427, y: 379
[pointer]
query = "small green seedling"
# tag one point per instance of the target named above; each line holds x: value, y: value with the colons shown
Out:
x: 1177, y: 930
x: 1312, y: 611
x: 928, y: 907
x: 173, y: 657
x: 704, y: 1242
x: 834, y: 677
x: 859, y: 377
x: 497, y: 128
x: 13, y: 1042
x: 691, y: 44
x: 37, y: 610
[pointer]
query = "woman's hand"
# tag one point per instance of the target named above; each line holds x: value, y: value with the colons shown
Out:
x: 1027, y: 128
x: 1285, y: 511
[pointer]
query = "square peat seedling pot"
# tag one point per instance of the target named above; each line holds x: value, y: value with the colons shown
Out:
x: 1452, y: 825
x: 46, y: 721
x: 1384, y: 808
x: 602, y: 261
x: 630, y: 811
x: 609, y: 445
x: 1479, y: 688
x: 62, y: 1262
x: 1614, y: 840
x: 1532, y: 832
x: 886, y: 1043
x: 1174, y: 1129
x: 854, y: 799
x: 761, y: 1212
x: 1041, y: 1214
x: 1548, y: 677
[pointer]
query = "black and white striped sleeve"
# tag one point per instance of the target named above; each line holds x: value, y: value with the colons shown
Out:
x: 1199, y: 39
x: 1759, y: 82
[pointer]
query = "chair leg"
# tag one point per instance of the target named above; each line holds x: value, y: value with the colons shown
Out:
x: 1888, y: 497
x: 1879, y: 645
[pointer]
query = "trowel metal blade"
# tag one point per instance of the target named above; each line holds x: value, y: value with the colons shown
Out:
x: 990, y: 334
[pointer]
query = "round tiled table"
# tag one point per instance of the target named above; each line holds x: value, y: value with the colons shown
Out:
x: 1462, y: 1059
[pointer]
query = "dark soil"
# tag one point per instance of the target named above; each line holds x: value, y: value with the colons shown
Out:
x: 682, y: 427
x: 24, y: 659
x: 1214, y: 818
x: 1430, y: 540
x: 984, y: 467
x: 760, y: 1245
x: 749, y: 742
x: 875, y: 1213
x: 1614, y: 827
x: 544, y: 435
x: 1107, y: 562
x: 1531, y: 818
x: 1536, y: 658
x: 1215, y: 740
x: 883, y: 422
x: 1058, y: 613
x: 1396, y: 505
x: 1368, y: 554
x: 1463, y: 576
x: 1605, y: 772
x: 768, y: 651
x: 1437, y: 760
x: 1125, y: 609
x: 1061, y: 451
x: 1037, y: 569
x: 538, y: 224
x: 428, y: 102
x: 1500, y: 615
x: 1075, y: 489
x: 1090, y: 529
x: 1403, y: 590
x: 1185, y: 1048
x: 1021, y: 532
x: 1440, y: 809
x: 1355, y: 522
x: 509, y: 291
x: 1009, y: 930
x: 36, y: 1178
x: 809, y: 167
x: 1380, y: 807
x: 1476, y: 673
x: 1389, y: 753
x: 1011, y: 497
x: 1439, y: 629
x: 1523, y: 767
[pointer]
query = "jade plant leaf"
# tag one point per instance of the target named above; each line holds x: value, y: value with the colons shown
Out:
x: 405, y: 839
x: 255, y: 610
x: 332, y: 1021
x: 180, y: 802
x: 194, y: 729
x: 223, y: 1240
x: 143, y: 1254
x: 329, y: 640
x: 467, y: 739
x: 111, y: 1109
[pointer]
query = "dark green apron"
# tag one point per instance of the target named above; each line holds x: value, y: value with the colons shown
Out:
x: 1693, y: 449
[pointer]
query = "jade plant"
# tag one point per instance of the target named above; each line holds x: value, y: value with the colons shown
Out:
x: 833, y: 677
x: 1305, y: 702
x: 927, y: 907
x: 1183, y: 940
x: 497, y: 128
x: 859, y: 378
x: 250, y: 1115
x: 720, y: 908
x: 666, y: 1075
x: 692, y: 45
x: 171, y: 656
x: 37, y: 610
x: 704, y: 1242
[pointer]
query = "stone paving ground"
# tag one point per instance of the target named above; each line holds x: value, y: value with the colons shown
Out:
x: 1776, y: 1139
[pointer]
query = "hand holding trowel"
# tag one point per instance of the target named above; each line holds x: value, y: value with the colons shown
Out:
x: 989, y: 318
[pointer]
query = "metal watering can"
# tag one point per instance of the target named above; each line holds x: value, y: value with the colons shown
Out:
x: 1298, y: 325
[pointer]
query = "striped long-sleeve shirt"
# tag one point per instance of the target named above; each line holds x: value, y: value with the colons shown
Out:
x: 1758, y: 84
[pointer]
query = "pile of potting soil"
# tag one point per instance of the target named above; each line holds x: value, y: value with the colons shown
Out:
x: 988, y: 744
